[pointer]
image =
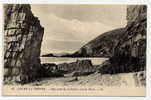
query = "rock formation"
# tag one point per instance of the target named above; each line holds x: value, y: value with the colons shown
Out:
x: 23, y: 36
x: 82, y: 66
x: 50, y: 70
x: 130, y: 52
x: 78, y: 68
x: 136, y: 12
x: 133, y: 41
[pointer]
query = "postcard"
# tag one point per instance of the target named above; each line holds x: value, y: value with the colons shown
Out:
x: 74, y: 50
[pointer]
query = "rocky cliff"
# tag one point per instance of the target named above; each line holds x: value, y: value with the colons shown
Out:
x: 133, y: 41
x: 136, y: 12
x: 23, y: 36
x: 130, y: 52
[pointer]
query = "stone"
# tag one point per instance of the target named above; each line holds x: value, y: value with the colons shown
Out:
x: 140, y: 78
x: 7, y: 72
x: 80, y: 66
x: 15, y: 71
x: 13, y: 61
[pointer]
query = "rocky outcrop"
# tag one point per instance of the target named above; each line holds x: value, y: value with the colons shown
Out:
x: 50, y: 70
x: 132, y: 45
x: 133, y: 42
x: 81, y: 66
x: 78, y: 68
x: 136, y: 12
x: 130, y: 52
x: 23, y: 36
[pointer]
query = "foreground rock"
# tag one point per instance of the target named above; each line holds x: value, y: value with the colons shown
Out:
x: 50, y: 70
x: 23, y: 36
x: 78, y: 68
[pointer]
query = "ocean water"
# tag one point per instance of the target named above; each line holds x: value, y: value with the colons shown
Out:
x: 59, y: 60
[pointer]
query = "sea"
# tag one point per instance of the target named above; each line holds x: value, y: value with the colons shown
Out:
x: 59, y: 60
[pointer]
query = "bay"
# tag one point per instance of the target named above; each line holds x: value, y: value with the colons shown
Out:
x: 59, y: 60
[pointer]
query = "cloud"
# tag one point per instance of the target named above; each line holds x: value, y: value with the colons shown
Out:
x: 107, y: 14
x: 71, y: 34
x: 65, y: 30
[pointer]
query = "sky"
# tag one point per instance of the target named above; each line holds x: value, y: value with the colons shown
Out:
x: 69, y: 27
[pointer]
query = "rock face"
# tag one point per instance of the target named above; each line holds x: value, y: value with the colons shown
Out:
x: 133, y: 42
x: 130, y: 52
x: 23, y: 36
x: 136, y: 12
x: 132, y: 45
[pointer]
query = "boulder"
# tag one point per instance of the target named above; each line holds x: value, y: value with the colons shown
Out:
x: 50, y: 70
x: 80, y: 67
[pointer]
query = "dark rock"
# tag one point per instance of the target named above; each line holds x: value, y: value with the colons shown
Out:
x: 82, y: 73
x: 73, y: 80
x: 50, y: 70
x: 121, y: 65
x: 48, y: 55
x: 23, y: 36
x: 84, y: 67
x: 131, y: 49
x: 130, y: 52
x: 133, y: 42
x: 46, y: 70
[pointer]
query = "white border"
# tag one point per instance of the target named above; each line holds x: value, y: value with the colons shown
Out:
x: 85, y: 2
x: 78, y: 1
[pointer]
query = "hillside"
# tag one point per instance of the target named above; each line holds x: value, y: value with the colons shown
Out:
x: 101, y: 46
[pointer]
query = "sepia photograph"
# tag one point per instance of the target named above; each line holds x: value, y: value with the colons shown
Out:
x: 74, y: 49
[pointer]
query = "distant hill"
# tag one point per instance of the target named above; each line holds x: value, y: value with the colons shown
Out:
x: 101, y: 46
x: 56, y: 54
x: 48, y: 55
